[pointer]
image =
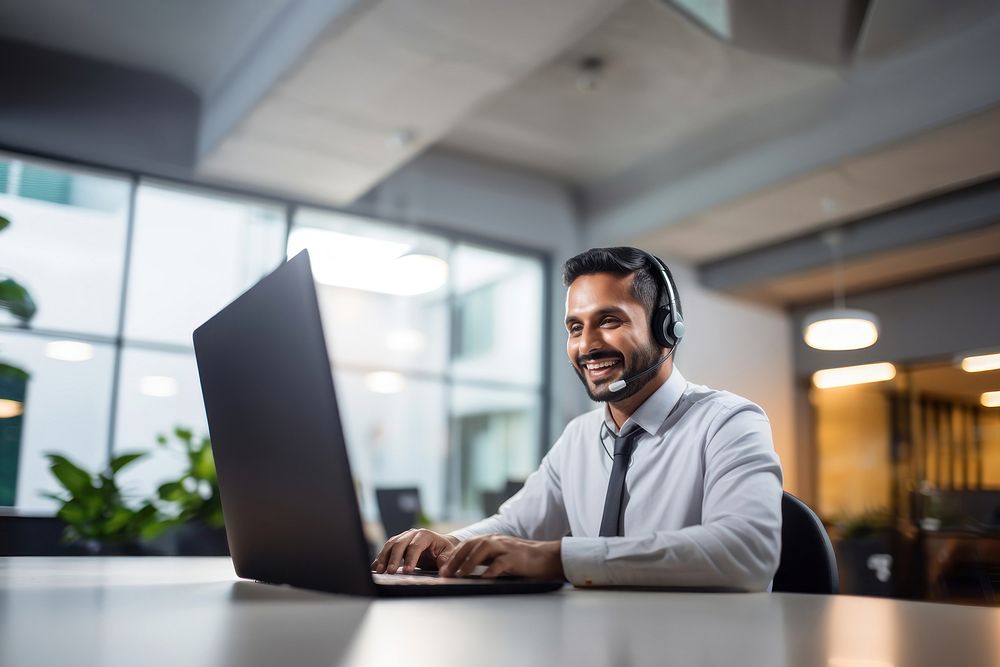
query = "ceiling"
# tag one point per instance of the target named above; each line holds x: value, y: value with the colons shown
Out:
x: 696, y: 147
x: 936, y: 161
x: 665, y: 80
x: 194, y: 42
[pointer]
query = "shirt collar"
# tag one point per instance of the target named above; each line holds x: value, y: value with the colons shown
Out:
x: 651, y: 414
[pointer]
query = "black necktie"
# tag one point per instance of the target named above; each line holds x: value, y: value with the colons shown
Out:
x: 611, y: 522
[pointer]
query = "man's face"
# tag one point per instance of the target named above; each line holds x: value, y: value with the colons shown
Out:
x: 608, y: 335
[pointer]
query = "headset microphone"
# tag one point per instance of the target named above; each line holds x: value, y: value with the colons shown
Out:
x: 618, y: 385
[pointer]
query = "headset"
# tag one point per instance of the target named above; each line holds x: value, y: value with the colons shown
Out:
x: 668, y: 321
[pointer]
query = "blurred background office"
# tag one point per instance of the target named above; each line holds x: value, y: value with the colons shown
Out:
x: 822, y: 177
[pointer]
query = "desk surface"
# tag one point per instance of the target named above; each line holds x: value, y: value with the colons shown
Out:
x: 194, y: 611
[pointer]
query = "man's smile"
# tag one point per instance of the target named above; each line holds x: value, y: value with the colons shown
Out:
x: 601, y: 369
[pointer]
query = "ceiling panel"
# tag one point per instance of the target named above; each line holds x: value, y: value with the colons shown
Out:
x: 398, y: 70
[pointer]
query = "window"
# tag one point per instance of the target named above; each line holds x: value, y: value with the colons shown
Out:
x: 436, y: 342
x: 436, y: 347
x: 191, y: 255
x: 67, y: 252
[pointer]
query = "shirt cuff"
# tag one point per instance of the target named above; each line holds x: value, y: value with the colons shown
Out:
x: 584, y: 560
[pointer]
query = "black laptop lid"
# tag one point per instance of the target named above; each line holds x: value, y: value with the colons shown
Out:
x: 287, y: 494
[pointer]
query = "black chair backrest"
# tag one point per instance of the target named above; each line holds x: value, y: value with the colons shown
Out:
x: 808, y: 564
x: 399, y: 508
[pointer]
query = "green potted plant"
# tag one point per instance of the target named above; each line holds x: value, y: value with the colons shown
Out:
x: 98, y: 514
x: 192, y: 500
x: 15, y: 299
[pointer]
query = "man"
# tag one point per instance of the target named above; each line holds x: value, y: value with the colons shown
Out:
x: 668, y: 484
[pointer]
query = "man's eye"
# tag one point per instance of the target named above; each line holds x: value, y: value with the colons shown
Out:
x: 575, y: 330
x: 610, y: 321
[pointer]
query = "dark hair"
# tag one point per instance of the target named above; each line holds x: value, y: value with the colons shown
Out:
x: 622, y: 261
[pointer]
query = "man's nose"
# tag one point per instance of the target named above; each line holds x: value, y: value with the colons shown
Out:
x: 590, y: 340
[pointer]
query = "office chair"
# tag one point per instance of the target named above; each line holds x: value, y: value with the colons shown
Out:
x: 399, y: 508
x: 808, y: 564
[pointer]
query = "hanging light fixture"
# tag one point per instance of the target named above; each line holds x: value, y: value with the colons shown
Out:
x: 839, y: 328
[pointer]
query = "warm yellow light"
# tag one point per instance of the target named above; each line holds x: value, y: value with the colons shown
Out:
x: 385, y: 382
x: 982, y: 362
x: 10, y: 408
x: 69, y: 350
x: 990, y: 399
x: 840, y: 329
x: 848, y: 375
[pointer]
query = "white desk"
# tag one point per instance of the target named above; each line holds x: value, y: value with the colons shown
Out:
x: 191, y: 612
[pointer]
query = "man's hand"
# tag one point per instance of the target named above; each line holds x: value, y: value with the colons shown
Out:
x: 504, y: 555
x: 414, y: 547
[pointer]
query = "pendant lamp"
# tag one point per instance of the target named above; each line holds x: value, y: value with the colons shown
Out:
x: 839, y: 327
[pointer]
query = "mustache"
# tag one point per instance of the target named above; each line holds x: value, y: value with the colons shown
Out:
x: 598, y: 356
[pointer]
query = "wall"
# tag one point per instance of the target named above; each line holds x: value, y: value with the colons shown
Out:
x: 742, y: 348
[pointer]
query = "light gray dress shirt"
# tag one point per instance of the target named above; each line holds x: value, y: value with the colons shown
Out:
x: 702, y: 504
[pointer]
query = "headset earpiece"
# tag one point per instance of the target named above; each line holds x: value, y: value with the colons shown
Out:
x: 668, y: 323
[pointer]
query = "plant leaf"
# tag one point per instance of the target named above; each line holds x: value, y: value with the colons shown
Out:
x: 172, y: 492
x: 123, y: 460
x: 16, y: 300
x: 4, y: 223
x: 202, y: 464
x: 120, y: 518
x: 75, y: 479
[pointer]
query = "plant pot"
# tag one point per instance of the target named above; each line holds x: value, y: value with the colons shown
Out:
x: 199, y: 539
x: 13, y: 387
x: 98, y: 548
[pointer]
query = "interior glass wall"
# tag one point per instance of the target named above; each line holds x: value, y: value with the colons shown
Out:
x: 436, y: 342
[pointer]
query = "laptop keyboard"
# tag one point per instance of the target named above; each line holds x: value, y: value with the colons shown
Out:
x: 429, y: 578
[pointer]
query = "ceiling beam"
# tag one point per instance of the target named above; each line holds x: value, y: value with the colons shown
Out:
x: 879, y: 103
x: 284, y: 42
x: 933, y: 220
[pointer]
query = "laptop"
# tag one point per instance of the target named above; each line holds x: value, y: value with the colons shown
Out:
x: 284, y: 477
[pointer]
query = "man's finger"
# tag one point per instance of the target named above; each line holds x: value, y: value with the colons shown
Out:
x: 456, y: 556
x: 398, y: 549
x: 378, y: 565
x: 476, y: 556
x: 412, y: 554
x: 500, y: 565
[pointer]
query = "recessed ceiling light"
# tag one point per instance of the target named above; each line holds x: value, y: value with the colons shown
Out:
x: 158, y: 386
x: 69, y: 350
x: 990, y: 399
x: 829, y: 378
x: 981, y: 362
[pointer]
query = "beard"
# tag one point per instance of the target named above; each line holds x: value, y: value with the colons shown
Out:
x: 637, y: 362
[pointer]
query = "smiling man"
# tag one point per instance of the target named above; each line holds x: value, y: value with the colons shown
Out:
x: 669, y: 483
